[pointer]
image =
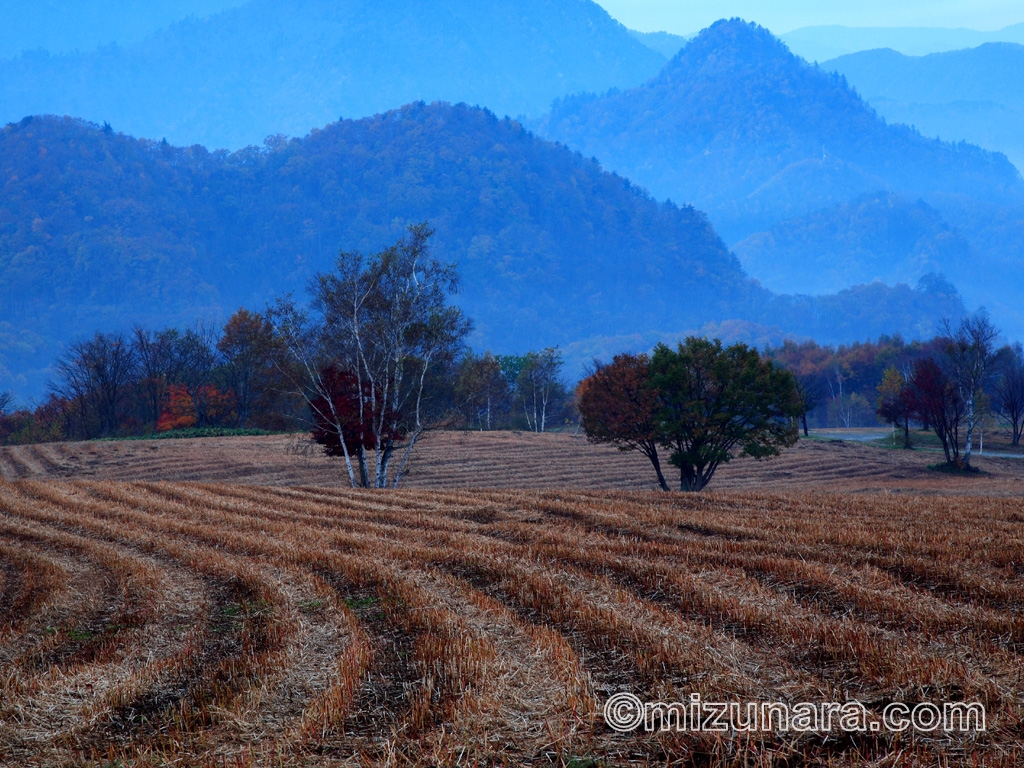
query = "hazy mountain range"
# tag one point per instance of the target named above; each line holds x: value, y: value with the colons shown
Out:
x: 975, y: 94
x: 766, y: 143
x: 828, y: 42
x: 233, y: 78
x: 812, y: 189
x: 62, y: 26
x: 750, y: 133
x: 99, y: 230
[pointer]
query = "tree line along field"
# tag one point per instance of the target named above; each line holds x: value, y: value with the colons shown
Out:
x: 156, y: 623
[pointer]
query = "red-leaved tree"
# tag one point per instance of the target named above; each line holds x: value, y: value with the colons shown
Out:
x: 617, y: 405
x: 933, y: 399
x: 338, y: 405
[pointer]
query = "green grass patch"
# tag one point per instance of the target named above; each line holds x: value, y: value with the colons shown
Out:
x: 953, y: 469
x: 312, y: 606
x: 180, y: 434
x: 361, y: 602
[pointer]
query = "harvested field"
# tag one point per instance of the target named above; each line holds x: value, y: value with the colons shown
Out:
x: 153, y: 623
x: 452, y: 460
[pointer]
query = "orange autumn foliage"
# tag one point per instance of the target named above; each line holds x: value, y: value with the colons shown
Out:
x: 181, y: 411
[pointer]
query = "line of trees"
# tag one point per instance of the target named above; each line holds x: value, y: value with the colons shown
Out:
x: 859, y: 385
x: 378, y: 357
x: 949, y: 392
x: 514, y: 391
x: 374, y: 360
x: 153, y: 380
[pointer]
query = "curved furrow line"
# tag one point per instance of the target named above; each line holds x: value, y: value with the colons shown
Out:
x: 286, y: 509
x: 29, y: 580
x: 175, y: 704
x: 844, y: 651
x: 733, y: 546
x: 949, y: 617
x: 88, y: 638
x: 372, y: 628
x: 45, y: 458
x: 246, y: 632
x: 14, y: 467
x: 438, y: 648
x: 623, y: 641
x: 533, y: 691
x: 385, y: 628
x: 839, y: 642
x: 191, y: 513
x: 152, y: 595
x: 373, y: 544
x: 875, y: 597
x: 626, y: 643
x: 810, y: 576
x: 450, y: 644
x: 97, y: 629
x: 950, y: 582
x: 9, y: 470
x: 251, y: 713
x: 424, y: 663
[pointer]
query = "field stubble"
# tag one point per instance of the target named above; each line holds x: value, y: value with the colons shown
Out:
x: 218, y: 624
x: 456, y: 460
x: 269, y: 617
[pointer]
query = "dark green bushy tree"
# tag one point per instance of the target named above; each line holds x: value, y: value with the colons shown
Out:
x: 717, y: 403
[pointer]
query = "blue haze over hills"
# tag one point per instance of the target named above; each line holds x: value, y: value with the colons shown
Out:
x: 817, y: 193
x: 233, y: 78
x: 822, y: 43
x: 975, y: 94
x: 794, y: 168
x: 62, y: 26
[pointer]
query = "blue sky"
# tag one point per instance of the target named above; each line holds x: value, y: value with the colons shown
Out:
x: 781, y: 16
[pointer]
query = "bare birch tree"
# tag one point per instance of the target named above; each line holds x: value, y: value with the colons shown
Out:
x: 384, y: 320
x: 538, y: 384
x: 971, y: 353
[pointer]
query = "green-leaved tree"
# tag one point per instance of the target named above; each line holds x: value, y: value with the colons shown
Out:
x: 718, y: 403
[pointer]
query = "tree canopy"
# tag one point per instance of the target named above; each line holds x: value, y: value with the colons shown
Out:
x: 703, y: 402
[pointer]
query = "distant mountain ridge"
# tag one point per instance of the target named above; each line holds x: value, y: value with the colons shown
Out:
x: 975, y: 95
x: 740, y: 127
x: 99, y: 230
x: 62, y: 26
x: 822, y: 43
x: 743, y: 129
x: 235, y: 77
x: 665, y: 43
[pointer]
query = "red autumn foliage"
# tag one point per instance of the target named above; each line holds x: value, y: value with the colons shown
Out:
x: 342, y: 409
x: 933, y: 399
x: 617, y: 405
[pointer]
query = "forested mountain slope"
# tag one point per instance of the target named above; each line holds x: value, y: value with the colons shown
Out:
x: 738, y: 126
x: 99, y: 230
x: 878, y: 236
x: 263, y: 68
